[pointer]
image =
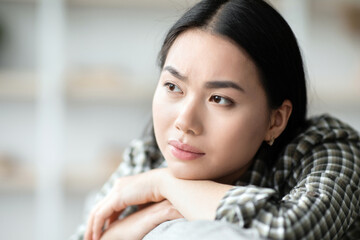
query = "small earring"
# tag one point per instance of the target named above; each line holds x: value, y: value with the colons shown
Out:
x: 271, y: 142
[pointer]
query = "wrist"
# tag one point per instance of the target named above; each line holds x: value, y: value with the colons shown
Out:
x: 162, y: 179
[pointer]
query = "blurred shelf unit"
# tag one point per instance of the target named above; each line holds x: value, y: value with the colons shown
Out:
x: 85, y: 177
x: 118, y: 3
x: 106, y: 86
x: 16, y: 177
x: 76, y: 178
x: 169, y: 3
x: 90, y: 86
x: 131, y: 3
x: 17, y: 86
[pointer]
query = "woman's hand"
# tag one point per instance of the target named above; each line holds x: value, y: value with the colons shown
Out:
x: 140, y: 223
x: 194, y: 199
x: 127, y: 191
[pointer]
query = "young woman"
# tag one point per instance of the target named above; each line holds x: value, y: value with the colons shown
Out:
x: 231, y: 141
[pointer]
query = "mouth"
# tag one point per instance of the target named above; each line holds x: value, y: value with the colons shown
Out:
x: 184, y: 151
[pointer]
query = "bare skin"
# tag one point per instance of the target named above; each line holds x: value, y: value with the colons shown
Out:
x: 148, y: 218
x: 210, y: 115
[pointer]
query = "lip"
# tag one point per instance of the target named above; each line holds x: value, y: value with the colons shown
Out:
x: 184, y: 151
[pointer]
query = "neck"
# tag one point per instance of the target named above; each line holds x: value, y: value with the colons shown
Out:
x: 231, y: 178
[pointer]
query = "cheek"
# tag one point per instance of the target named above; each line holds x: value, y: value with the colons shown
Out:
x: 157, y: 112
x: 241, y: 137
x: 162, y: 116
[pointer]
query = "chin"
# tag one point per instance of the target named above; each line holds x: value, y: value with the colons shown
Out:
x: 189, y: 174
x: 186, y: 175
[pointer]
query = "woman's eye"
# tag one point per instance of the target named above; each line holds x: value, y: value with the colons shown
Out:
x: 221, y: 100
x: 172, y: 87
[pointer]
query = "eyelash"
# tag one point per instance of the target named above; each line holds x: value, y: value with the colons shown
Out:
x: 169, y: 85
x: 213, y: 98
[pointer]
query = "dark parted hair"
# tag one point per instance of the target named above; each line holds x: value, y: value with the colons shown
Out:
x: 263, y: 33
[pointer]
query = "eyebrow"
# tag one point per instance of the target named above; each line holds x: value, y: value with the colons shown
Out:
x: 210, y: 85
x: 223, y: 84
x: 174, y: 72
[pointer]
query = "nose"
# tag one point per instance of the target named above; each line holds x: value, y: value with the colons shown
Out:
x: 189, y: 118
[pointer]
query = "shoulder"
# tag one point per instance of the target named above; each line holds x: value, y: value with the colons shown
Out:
x: 324, y: 131
x: 330, y: 127
x: 142, y: 155
x: 327, y: 143
x: 327, y: 148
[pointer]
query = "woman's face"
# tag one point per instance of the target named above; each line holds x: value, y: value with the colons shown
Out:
x: 209, y: 110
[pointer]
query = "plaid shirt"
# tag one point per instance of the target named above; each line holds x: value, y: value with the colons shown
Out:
x: 311, y: 192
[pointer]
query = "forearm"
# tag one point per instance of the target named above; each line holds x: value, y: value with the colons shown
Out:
x: 138, y: 224
x: 194, y: 199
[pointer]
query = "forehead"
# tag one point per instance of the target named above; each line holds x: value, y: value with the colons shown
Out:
x: 201, y: 53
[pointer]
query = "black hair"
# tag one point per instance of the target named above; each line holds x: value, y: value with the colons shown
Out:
x: 263, y: 33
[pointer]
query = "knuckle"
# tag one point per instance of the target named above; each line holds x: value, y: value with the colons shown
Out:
x: 118, y: 182
x: 93, y: 211
x: 166, y: 202
x: 98, y: 216
x: 169, y: 211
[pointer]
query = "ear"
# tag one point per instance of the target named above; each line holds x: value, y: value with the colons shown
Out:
x: 278, y: 121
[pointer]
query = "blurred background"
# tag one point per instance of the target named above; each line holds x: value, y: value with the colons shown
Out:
x: 76, y: 84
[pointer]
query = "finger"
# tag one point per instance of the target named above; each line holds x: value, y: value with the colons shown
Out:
x: 173, y: 214
x: 97, y: 227
x: 105, y: 211
x: 108, y: 223
x: 88, y: 232
x: 169, y: 211
x: 114, y: 217
x: 145, y: 205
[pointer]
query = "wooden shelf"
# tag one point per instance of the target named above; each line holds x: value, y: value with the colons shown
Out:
x: 17, y: 85
x: 105, y: 85
x: 83, y: 87
x: 76, y: 177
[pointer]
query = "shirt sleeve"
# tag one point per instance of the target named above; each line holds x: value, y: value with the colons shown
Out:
x: 136, y: 159
x: 322, y: 205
